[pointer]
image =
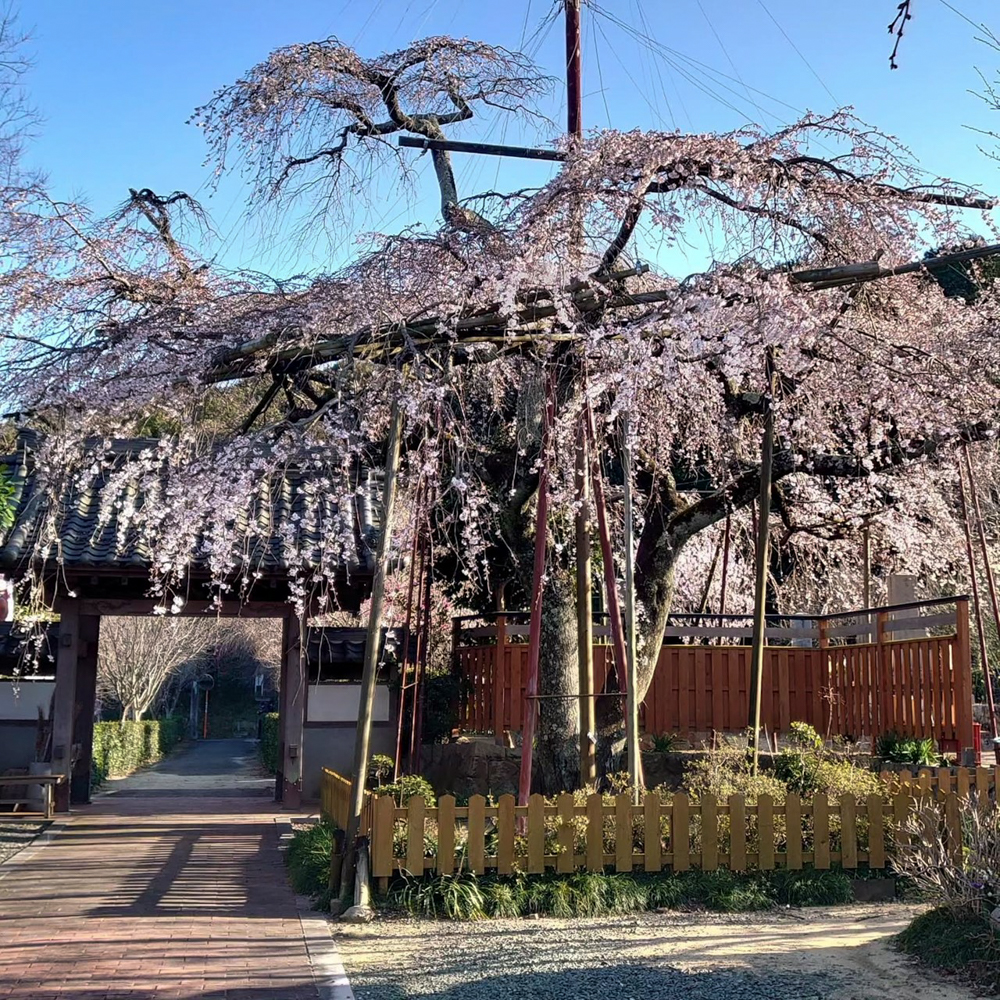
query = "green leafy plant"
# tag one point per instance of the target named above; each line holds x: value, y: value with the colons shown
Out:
x: 308, y: 859
x: 380, y: 768
x: 916, y: 751
x: 801, y: 734
x: 408, y: 786
x: 7, y: 503
x: 665, y: 742
x: 456, y: 897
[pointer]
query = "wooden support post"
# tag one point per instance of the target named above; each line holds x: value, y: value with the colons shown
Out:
x: 962, y: 674
x: 85, y: 699
x: 990, y: 581
x: 584, y: 615
x: 499, y: 676
x: 369, y: 674
x: 632, y: 701
x: 292, y: 723
x: 984, y: 659
x: 763, y: 560
x: 64, y: 712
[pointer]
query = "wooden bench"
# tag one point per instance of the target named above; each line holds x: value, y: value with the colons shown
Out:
x: 22, y: 781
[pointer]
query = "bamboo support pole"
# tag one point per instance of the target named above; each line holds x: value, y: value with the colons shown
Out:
x: 760, y: 583
x: 369, y: 673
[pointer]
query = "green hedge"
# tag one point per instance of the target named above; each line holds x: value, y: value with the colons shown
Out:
x: 124, y: 746
x: 268, y: 748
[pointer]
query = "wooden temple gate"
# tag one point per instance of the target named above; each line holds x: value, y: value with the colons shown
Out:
x: 904, y: 669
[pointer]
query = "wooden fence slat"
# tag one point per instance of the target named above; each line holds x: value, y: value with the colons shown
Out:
x: 821, y: 831
x: 680, y: 832
x: 416, y: 810
x: 446, y: 835
x: 737, y: 833
x: 876, y: 832
x: 848, y: 832
x: 506, y: 824
x: 953, y: 824
x: 536, y: 834
x: 652, y: 848
x: 709, y: 833
x: 477, y: 834
x: 595, y: 832
x: 901, y: 805
x: 565, y: 862
x: 983, y: 787
x: 385, y: 818
x: 793, y: 826
x: 962, y: 783
x: 943, y: 782
x: 623, y: 832
x: 765, y: 832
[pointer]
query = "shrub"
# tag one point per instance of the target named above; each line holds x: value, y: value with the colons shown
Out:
x: 959, y: 942
x: 968, y: 882
x: 727, y: 770
x: 918, y: 752
x: 124, y: 746
x: 407, y: 787
x: 268, y: 748
x: 308, y: 859
x: 594, y: 894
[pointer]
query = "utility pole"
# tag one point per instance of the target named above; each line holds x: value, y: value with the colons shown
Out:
x: 584, y: 596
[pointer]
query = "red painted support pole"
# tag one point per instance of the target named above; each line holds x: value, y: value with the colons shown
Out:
x: 608, y: 558
x: 537, y: 589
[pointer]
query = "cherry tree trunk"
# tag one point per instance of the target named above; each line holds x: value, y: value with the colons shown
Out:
x: 557, y: 742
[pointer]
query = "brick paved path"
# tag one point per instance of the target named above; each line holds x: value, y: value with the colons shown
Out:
x: 171, y: 887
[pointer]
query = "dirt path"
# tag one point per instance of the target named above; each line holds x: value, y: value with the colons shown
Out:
x: 841, y: 953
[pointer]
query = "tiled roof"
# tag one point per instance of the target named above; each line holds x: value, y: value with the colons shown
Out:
x: 292, y: 502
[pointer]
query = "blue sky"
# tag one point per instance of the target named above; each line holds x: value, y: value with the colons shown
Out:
x: 116, y: 80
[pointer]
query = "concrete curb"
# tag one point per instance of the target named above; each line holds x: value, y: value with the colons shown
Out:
x: 328, y: 970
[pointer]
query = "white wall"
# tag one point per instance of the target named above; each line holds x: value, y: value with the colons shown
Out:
x: 24, y: 703
x: 342, y: 703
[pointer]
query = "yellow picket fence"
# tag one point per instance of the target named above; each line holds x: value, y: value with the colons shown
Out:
x: 335, y: 801
x: 675, y: 832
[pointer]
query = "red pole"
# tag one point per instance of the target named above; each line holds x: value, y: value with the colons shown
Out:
x: 537, y: 588
x: 422, y: 584
x: 610, y: 583
x: 406, y: 636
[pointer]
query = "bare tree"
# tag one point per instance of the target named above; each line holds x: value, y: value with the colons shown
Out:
x: 137, y: 656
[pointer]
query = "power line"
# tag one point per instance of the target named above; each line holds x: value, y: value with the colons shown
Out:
x: 725, y: 52
x: 798, y: 52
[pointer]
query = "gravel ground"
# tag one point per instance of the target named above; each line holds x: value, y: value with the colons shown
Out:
x: 837, y: 954
x: 14, y: 836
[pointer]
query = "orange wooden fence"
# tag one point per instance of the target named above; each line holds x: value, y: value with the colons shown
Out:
x: 678, y: 833
x: 855, y: 675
